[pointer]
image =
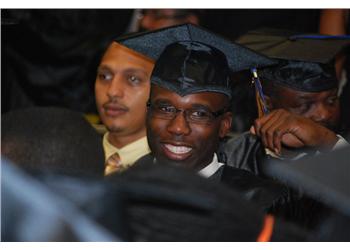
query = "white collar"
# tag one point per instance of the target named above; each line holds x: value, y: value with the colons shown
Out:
x: 211, y: 168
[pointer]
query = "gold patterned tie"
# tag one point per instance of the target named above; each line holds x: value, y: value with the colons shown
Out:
x: 113, y: 164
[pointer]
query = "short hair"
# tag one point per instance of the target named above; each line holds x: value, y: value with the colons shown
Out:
x: 52, y: 139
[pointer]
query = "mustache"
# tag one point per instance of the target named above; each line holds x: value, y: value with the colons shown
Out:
x: 114, y: 105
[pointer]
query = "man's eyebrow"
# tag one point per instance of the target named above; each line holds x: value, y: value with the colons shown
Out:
x: 135, y: 70
x: 128, y: 70
x: 306, y: 96
x: 162, y: 101
x: 201, y: 106
x: 104, y: 67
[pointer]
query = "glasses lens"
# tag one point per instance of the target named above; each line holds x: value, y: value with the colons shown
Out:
x: 163, y: 111
x: 166, y: 111
x: 199, y: 116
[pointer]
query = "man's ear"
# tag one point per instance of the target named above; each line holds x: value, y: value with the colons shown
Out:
x: 225, y: 124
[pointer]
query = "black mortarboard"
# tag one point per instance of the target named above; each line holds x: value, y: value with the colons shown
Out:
x: 301, y: 76
x: 325, y: 177
x: 190, y: 59
x: 305, y: 60
x: 290, y: 45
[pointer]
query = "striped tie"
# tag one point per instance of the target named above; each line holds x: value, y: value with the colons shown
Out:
x: 113, y: 164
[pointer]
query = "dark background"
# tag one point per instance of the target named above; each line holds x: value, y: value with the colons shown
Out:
x: 49, y: 57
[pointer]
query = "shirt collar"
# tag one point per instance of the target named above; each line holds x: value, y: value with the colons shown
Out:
x: 211, y: 168
x: 129, y: 153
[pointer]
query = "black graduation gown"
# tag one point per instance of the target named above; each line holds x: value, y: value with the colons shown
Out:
x: 246, y: 152
x: 264, y: 192
x: 243, y: 152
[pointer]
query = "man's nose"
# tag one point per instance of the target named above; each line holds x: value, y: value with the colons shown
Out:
x: 179, y: 125
x: 322, y: 114
x: 116, y: 88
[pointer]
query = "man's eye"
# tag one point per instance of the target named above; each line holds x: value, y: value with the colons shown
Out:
x: 332, y: 100
x: 167, y: 109
x: 134, y: 79
x: 303, y: 108
x: 104, y: 76
x: 200, y: 113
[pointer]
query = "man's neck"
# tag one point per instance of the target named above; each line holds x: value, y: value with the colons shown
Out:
x: 120, y: 141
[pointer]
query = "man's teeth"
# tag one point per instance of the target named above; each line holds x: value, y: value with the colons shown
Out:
x: 178, y: 149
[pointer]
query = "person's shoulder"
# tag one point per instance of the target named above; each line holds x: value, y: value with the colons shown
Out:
x: 265, y: 192
x: 238, y: 140
x: 147, y: 159
x: 244, y: 151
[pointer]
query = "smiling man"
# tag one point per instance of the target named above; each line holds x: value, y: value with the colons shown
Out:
x: 186, y: 130
x: 188, y: 114
x: 189, y: 106
x: 121, y: 89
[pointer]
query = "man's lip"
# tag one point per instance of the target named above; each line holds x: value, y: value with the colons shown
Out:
x: 177, y: 151
x: 177, y: 143
x: 114, y: 110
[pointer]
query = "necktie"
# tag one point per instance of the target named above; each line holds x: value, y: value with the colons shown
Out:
x: 113, y: 164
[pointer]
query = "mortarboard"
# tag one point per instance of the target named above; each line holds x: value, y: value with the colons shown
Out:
x: 290, y: 45
x: 190, y: 59
x: 304, y: 60
x: 325, y: 177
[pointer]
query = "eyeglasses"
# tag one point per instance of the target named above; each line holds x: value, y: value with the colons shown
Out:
x: 193, y: 115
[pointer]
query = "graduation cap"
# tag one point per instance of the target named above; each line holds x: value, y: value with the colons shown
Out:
x: 325, y: 177
x: 290, y: 45
x: 190, y: 59
x: 304, y: 60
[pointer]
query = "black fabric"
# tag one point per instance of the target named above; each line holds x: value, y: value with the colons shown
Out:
x: 50, y: 208
x: 190, y: 59
x: 301, y: 76
x: 334, y: 228
x: 153, y: 43
x: 246, y: 152
x: 263, y: 192
x: 321, y: 177
x: 175, y: 204
x: 285, y: 232
x: 145, y: 203
x: 291, y: 45
x: 52, y: 55
x: 306, y: 62
x: 192, y: 67
x: 243, y: 152
x: 54, y: 139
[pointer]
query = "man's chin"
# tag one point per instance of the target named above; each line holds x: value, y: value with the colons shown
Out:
x: 173, y: 163
x: 112, y: 128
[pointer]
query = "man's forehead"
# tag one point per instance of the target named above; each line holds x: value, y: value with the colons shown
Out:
x: 132, y: 69
x: 117, y: 50
x: 303, y: 95
x: 200, y: 98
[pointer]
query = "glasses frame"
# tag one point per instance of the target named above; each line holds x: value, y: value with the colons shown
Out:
x: 215, y: 114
